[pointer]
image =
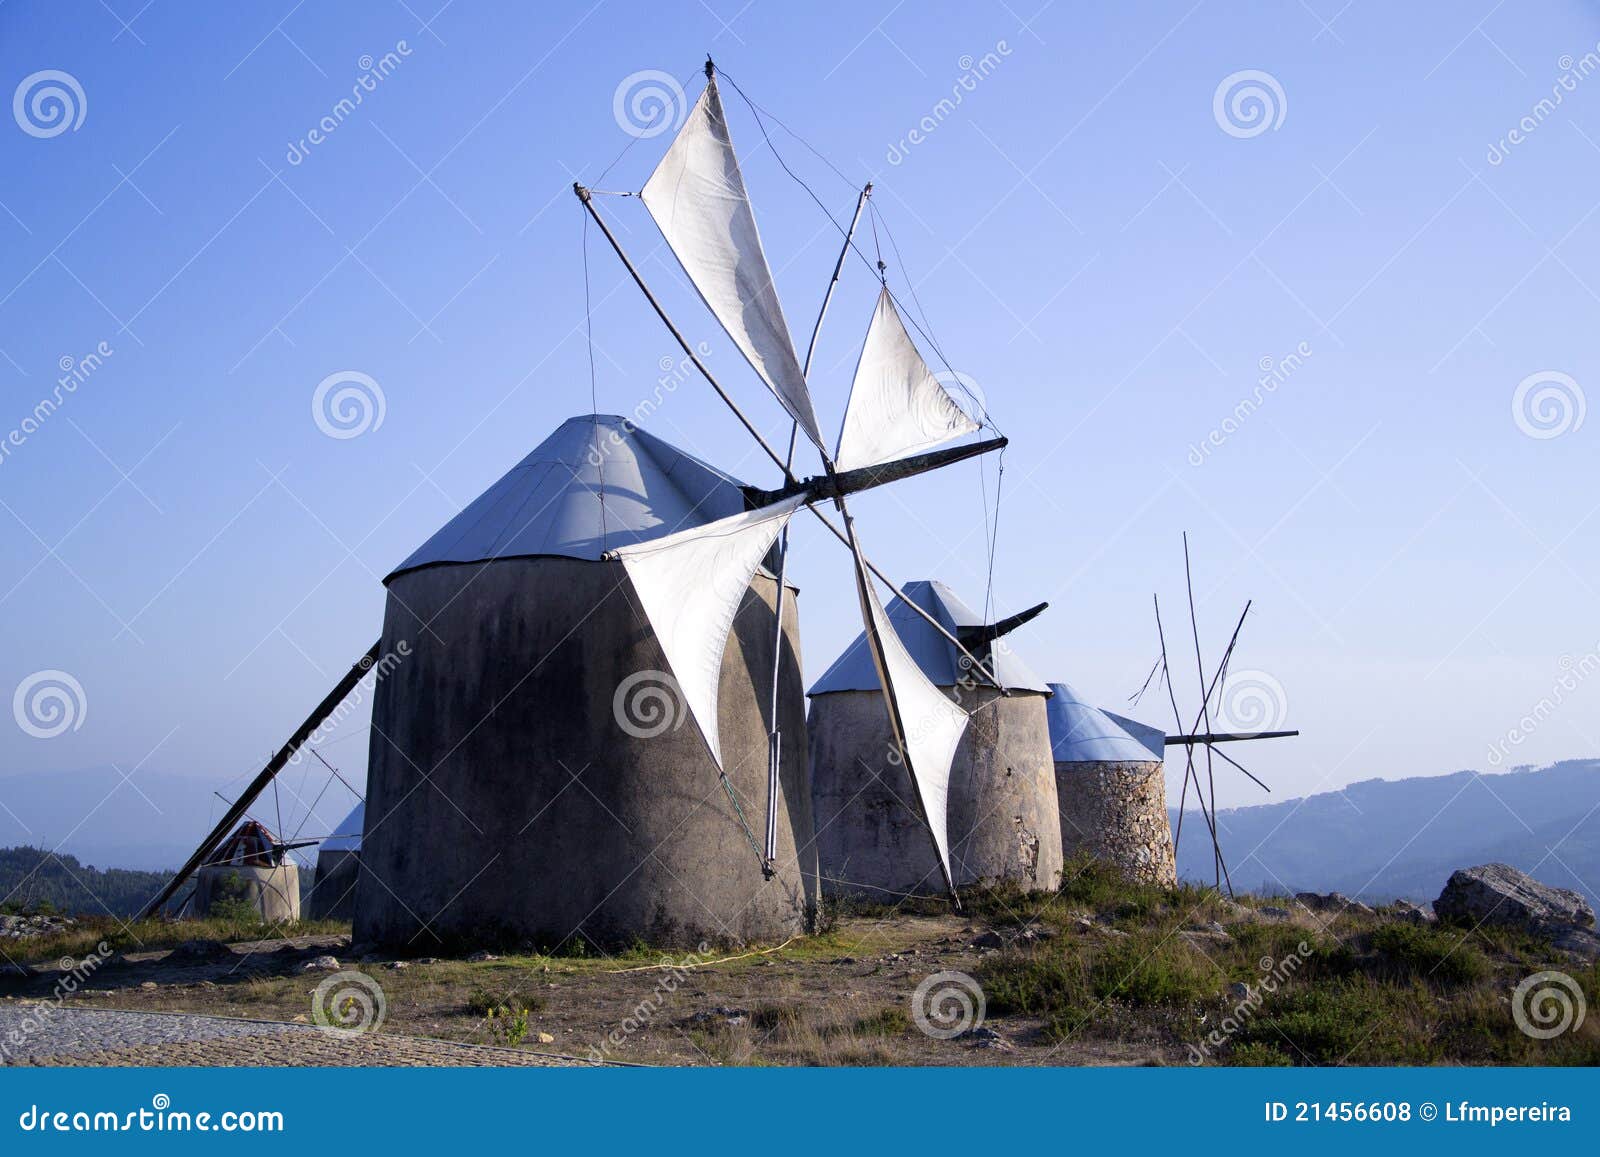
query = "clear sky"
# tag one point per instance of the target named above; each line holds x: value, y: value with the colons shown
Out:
x: 1109, y: 249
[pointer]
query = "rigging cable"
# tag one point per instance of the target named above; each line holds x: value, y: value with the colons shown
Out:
x: 594, y: 405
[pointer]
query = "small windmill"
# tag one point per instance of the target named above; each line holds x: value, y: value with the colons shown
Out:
x: 690, y: 583
x: 1199, y: 732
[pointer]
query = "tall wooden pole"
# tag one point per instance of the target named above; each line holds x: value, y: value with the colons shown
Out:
x: 262, y: 780
x: 588, y: 203
x: 775, y: 733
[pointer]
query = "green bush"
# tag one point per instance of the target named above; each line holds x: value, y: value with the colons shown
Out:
x: 1420, y: 952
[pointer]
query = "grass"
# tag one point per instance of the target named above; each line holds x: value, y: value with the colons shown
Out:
x: 90, y: 932
x: 1137, y: 963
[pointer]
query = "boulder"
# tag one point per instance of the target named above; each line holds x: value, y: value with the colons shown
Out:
x: 199, y: 951
x: 321, y: 964
x: 1498, y: 894
x: 1334, y: 902
x: 1412, y: 913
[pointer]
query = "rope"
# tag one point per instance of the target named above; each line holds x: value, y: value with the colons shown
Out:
x: 727, y: 786
x: 703, y: 963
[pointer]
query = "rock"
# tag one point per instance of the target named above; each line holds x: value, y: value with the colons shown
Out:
x: 321, y: 964
x: 149, y: 984
x: 989, y: 939
x: 200, y: 951
x: 984, y: 1037
x: 732, y: 1017
x: 546, y: 1039
x: 1202, y: 936
x: 481, y: 957
x: 1579, y: 942
x: 1035, y: 934
x: 1412, y: 913
x: 395, y: 965
x: 1275, y: 913
x: 1334, y: 902
x: 427, y: 960
x: 1499, y: 894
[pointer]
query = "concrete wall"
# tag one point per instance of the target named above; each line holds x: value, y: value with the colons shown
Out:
x: 1002, y: 815
x: 274, y: 892
x: 333, y: 891
x: 1117, y: 812
x: 504, y: 798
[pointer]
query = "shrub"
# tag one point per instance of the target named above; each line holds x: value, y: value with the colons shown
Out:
x: 1416, y: 951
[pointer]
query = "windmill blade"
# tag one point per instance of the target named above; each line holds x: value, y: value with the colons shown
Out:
x: 697, y: 198
x: 896, y: 407
x: 927, y: 727
x: 690, y: 585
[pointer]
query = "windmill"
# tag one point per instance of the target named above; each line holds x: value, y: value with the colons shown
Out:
x: 1198, y: 732
x: 689, y: 583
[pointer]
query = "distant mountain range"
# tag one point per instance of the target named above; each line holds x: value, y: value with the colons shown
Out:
x: 152, y: 821
x: 1380, y: 840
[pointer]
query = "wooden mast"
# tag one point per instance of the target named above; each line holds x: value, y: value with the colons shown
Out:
x: 775, y: 733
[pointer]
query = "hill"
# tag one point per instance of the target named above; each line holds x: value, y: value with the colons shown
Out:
x: 1381, y: 840
x: 32, y: 877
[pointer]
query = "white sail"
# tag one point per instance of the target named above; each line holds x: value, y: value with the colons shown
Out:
x: 698, y: 200
x: 690, y: 585
x: 927, y: 726
x: 897, y: 407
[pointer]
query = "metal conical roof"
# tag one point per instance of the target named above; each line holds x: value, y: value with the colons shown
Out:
x: 550, y: 502
x: 1080, y: 733
x: 936, y: 655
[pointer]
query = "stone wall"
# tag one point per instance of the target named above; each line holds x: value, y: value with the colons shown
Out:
x: 535, y: 776
x: 1117, y: 812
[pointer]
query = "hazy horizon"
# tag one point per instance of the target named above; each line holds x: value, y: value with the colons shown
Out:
x: 1346, y: 350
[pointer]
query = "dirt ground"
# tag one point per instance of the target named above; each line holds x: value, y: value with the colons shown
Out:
x: 843, y: 998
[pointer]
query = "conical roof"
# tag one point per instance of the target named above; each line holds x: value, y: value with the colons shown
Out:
x: 550, y: 502
x: 936, y: 655
x: 347, y: 836
x: 1080, y: 733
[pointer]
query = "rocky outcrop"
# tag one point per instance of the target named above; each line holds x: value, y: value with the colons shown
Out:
x: 14, y: 927
x: 1333, y: 903
x: 1498, y: 894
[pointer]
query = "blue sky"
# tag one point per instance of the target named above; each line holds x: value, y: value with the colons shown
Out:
x: 1090, y: 243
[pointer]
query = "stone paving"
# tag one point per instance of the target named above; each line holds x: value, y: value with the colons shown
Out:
x: 45, y: 1034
